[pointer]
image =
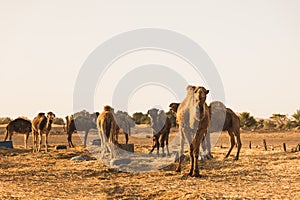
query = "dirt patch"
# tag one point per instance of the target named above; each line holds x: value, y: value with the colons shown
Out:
x: 271, y: 174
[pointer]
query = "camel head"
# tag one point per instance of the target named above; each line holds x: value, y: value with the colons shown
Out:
x: 200, y: 94
x: 107, y: 108
x: 153, y: 113
x: 50, y: 116
x: 174, y: 107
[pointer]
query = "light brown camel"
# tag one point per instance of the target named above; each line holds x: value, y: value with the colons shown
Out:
x: 193, y: 120
x: 70, y: 128
x: 41, y: 124
x: 220, y: 122
x: 108, y: 130
x: 161, y: 126
x: 18, y: 125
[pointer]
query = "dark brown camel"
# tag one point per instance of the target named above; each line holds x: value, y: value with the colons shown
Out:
x: 18, y: 125
x: 70, y: 128
x: 193, y: 120
x: 161, y: 126
x: 41, y: 124
x: 220, y: 122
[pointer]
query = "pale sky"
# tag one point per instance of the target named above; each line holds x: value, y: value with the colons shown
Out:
x: 254, y: 44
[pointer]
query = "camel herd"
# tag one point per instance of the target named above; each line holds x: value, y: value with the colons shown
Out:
x: 194, y: 118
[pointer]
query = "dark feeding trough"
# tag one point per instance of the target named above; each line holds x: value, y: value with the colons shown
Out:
x: 7, y: 144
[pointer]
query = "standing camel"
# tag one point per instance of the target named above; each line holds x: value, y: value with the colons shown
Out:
x: 41, y: 124
x: 18, y: 125
x: 161, y: 126
x: 107, y: 129
x: 193, y: 120
x: 70, y: 128
x: 86, y: 123
x: 222, y: 119
x: 125, y: 123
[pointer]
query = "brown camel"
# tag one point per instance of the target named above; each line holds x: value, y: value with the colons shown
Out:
x: 18, y: 125
x: 220, y: 122
x: 107, y: 129
x: 41, y: 124
x: 70, y: 128
x: 224, y: 119
x: 161, y: 126
x: 193, y: 120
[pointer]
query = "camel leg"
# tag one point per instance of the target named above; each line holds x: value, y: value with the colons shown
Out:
x: 34, y: 141
x: 85, y: 138
x: 40, y: 141
x: 70, y: 140
x: 181, y: 151
x: 154, y: 145
x: 167, y: 145
x: 46, y: 141
x: 162, y: 144
x: 26, y: 136
x: 126, y: 138
x: 195, y: 154
x: 232, y: 142
x: 192, y: 159
x: 208, y: 146
x: 239, y: 143
x: 6, y: 135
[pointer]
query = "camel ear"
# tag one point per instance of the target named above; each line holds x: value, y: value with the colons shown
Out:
x: 207, y: 91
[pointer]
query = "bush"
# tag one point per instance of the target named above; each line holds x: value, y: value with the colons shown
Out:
x: 58, y: 121
x: 5, y: 120
x: 247, y: 121
x: 140, y: 118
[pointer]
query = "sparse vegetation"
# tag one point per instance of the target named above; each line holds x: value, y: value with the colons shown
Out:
x: 5, y: 120
x: 58, y: 121
x: 247, y: 121
x: 140, y: 118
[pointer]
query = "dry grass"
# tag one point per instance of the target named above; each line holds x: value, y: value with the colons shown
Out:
x: 258, y: 174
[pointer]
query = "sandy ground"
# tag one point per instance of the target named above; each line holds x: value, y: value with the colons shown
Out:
x: 259, y: 174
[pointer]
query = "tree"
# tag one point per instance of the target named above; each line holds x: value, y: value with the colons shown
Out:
x: 246, y: 120
x: 296, y: 116
x: 280, y: 120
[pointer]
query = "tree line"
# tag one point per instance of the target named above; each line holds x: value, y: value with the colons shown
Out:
x: 248, y: 122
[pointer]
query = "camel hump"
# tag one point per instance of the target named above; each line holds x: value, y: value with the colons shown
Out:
x: 41, y: 114
x: 217, y: 106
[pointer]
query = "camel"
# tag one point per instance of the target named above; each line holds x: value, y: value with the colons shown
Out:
x: 219, y: 113
x: 86, y: 123
x: 70, y: 128
x: 41, y: 124
x: 18, y: 125
x: 161, y: 126
x: 231, y: 124
x: 193, y: 120
x: 107, y: 129
x: 125, y: 123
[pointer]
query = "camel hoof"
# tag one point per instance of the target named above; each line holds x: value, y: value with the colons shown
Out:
x: 163, y: 154
x: 236, y: 158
